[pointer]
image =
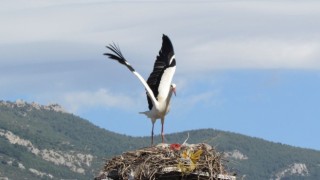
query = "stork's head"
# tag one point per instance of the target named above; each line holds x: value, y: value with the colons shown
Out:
x: 173, y: 88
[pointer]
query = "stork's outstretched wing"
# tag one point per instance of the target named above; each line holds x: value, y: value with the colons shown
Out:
x: 164, y: 68
x: 117, y: 55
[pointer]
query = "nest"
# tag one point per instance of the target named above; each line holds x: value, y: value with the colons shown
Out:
x: 166, y: 161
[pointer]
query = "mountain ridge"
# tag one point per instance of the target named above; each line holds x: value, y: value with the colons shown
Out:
x: 45, y: 143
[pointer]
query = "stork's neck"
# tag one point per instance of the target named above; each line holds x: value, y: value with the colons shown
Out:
x: 169, y: 96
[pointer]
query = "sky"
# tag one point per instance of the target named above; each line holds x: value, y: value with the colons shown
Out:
x: 244, y: 66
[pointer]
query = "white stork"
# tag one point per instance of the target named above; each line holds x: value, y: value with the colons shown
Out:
x: 158, y: 86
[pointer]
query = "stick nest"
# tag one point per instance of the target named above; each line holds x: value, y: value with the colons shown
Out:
x: 193, y: 161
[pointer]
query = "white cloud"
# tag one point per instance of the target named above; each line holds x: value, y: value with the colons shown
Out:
x: 280, y: 7
x: 187, y: 102
x: 214, y: 34
x: 76, y: 101
x: 203, y: 97
x: 254, y: 53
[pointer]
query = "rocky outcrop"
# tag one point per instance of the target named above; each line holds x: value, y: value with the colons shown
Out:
x: 75, y: 161
x: 298, y: 169
x: 3, y: 178
x: 33, y: 106
x: 40, y: 174
x: 235, y: 154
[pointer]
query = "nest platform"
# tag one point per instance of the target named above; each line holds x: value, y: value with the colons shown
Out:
x: 167, y: 161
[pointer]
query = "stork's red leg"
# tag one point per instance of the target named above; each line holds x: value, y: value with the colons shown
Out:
x: 162, y: 133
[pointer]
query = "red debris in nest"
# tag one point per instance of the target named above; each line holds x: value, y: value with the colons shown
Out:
x: 175, y: 147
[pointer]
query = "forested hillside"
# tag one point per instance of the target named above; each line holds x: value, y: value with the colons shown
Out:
x: 45, y: 142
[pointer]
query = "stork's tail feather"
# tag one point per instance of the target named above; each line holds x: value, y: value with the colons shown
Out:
x: 118, y: 56
x: 147, y: 113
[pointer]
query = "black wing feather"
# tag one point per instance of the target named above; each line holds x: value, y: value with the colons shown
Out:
x: 162, y: 62
x: 118, y: 56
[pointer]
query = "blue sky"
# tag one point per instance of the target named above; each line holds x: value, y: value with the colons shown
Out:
x: 250, y: 67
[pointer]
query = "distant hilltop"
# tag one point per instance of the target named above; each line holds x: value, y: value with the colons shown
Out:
x: 22, y: 103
